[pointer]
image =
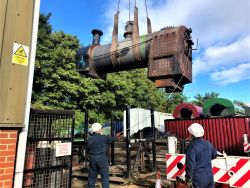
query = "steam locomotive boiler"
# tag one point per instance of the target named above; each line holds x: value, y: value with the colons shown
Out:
x: 166, y: 53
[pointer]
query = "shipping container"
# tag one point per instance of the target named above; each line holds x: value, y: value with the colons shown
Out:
x: 225, y: 133
x: 141, y: 118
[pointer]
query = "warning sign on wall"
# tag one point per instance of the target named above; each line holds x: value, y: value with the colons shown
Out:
x: 20, y: 54
x: 63, y: 149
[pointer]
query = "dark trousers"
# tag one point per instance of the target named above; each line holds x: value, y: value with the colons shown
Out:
x: 98, y: 164
x: 203, y: 181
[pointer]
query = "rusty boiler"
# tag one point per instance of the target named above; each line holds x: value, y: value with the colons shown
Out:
x: 166, y: 53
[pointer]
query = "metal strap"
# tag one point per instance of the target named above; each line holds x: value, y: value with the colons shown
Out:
x: 148, y: 19
x: 149, y: 26
x: 113, y: 46
x: 136, y: 37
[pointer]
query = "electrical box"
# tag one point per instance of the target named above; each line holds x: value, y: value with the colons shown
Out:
x: 16, y: 17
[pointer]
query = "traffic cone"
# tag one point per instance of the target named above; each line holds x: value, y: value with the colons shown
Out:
x: 158, y: 180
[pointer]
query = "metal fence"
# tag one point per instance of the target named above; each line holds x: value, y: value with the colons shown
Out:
x: 48, y: 161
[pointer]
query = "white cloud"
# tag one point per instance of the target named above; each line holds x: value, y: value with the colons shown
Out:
x: 235, y: 74
x: 222, y: 27
x: 211, y: 20
x: 238, y: 51
x: 217, y: 58
x: 200, y: 66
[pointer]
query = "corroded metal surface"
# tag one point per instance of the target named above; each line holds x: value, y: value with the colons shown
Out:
x: 170, y: 56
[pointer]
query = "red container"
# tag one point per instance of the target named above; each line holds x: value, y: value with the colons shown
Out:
x: 226, y: 134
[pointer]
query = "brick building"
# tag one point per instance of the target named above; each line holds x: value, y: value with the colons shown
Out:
x: 8, y: 142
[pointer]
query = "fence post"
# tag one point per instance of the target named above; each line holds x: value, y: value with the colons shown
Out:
x: 128, y: 140
x: 86, y: 128
x: 112, y: 135
x: 153, y: 141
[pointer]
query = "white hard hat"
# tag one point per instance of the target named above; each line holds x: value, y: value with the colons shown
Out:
x: 96, y: 127
x: 196, y: 130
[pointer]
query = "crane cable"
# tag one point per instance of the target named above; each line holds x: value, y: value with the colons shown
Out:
x: 146, y: 7
x: 149, y: 27
x: 128, y: 10
x: 118, y: 7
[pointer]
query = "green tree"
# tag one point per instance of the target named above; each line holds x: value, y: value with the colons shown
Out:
x: 172, y: 100
x: 134, y: 89
x: 56, y: 83
x: 200, y: 99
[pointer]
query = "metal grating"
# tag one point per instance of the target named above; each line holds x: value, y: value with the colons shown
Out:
x: 52, y: 178
x: 43, y: 168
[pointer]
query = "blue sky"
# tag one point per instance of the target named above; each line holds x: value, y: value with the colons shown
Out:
x: 222, y: 62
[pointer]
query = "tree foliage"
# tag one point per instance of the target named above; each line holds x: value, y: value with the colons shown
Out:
x: 172, y: 100
x: 200, y: 99
x: 240, y: 103
x: 57, y: 85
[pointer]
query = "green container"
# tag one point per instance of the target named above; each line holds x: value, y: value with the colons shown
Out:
x: 247, y: 109
x: 221, y: 107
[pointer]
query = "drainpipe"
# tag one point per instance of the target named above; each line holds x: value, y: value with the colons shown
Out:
x: 22, y: 139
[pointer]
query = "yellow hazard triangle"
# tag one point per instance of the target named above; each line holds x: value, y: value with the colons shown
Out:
x: 21, y: 52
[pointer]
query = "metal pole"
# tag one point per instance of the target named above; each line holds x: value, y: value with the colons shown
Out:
x: 72, y: 141
x: 128, y: 140
x: 86, y: 128
x: 22, y: 140
x: 112, y: 135
x: 153, y: 141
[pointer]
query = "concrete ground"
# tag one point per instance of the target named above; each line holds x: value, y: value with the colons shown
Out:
x: 78, y: 183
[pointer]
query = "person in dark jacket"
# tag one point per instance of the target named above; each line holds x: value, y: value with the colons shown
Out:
x: 98, y: 160
x: 198, y: 159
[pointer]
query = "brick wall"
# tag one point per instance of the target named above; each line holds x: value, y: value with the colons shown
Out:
x: 8, y: 141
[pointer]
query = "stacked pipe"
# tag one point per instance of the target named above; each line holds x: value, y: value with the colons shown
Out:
x: 187, y: 110
x: 224, y: 123
x: 221, y: 107
x: 217, y: 107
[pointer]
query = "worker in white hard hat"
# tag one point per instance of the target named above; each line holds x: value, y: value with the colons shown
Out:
x: 98, y: 160
x: 198, y: 159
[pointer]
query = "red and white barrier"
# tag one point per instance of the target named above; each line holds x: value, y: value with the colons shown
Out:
x: 246, y: 147
x: 232, y: 170
x: 246, y: 144
x: 174, y: 163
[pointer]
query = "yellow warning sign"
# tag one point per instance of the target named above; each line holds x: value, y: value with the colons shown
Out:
x: 20, y: 54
